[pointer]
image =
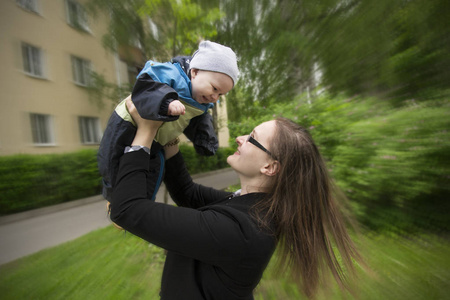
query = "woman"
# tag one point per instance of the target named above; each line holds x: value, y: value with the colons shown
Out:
x: 220, y: 243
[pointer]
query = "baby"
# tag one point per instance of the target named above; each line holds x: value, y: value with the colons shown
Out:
x: 179, y: 93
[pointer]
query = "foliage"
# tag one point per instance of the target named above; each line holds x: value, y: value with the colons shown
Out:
x: 181, y: 24
x: 392, y: 162
x: 100, y: 89
x: 126, y: 27
x: 142, y: 29
x: 387, y: 145
x: 394, y: 50
x: 394, y: 166
x: 162, y: 29
x: 199, y: 164
x: 274, y: 62
x: 34, y: 181
x: 107, y: 264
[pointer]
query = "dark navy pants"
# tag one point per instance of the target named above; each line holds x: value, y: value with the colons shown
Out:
x: 119, y: 134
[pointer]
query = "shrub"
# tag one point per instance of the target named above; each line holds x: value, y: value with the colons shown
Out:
x: 34, y: 181
x: 199, y: 164
x: 391, y: 162
x: 395, y: 167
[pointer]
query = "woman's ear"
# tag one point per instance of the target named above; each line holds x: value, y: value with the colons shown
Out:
x: 271, y: 168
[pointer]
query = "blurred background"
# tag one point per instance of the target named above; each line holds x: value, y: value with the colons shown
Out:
x: 369, y: 79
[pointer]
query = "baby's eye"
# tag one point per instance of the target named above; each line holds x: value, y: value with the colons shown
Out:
x: 214, y: 88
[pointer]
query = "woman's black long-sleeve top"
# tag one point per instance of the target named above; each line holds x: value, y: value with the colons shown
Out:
x: 215, y: 248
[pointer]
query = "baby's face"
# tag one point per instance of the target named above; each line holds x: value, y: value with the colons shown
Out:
x: 208, y: 86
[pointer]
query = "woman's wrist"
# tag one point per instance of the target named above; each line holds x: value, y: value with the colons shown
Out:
x: 136, y: 148
x: 144, y: 137
x: 146, y: 129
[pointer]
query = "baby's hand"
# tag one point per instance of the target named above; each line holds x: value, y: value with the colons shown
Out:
x: 176, y: 108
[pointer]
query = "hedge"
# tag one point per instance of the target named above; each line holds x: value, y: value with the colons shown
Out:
x: 392, y: 162
x: 34, y: 181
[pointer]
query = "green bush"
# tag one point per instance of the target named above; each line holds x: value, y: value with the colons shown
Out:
x: 200, y: 164
x: 34, y: 181
x: 391, y: 162
x: 395, y: 167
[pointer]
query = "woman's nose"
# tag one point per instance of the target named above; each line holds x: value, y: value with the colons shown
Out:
x: 240, y: 140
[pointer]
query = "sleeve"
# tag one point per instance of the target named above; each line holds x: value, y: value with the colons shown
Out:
x: 183, y: 190
x: 206, y: 235
x: 164, y: 108
x: 201, y: 132
x: 151, y: 98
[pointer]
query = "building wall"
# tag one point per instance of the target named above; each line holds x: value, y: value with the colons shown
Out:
x: 56, y: 94
x: 222, y: 122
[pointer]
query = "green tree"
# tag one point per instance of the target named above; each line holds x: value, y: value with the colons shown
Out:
x: 394, y: 50
x: 181, y: 24
x: 126, y: 27
x: 162, y: 28
x: 274, y: 63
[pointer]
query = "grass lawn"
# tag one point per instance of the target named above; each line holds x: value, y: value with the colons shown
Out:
x: 106, y: 264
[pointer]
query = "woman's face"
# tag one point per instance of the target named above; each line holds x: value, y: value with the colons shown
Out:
x: 249, y: 159
x: 208, y: 86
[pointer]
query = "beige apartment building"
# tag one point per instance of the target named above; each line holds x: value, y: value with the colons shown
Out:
x: 48, y: 49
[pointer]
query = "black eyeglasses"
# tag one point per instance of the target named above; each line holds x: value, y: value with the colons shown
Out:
x: 257, y: 144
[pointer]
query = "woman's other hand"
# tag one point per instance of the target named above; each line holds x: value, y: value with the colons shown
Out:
x: 171, y: 148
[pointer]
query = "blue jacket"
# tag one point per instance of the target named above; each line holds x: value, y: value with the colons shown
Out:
x: 155, y: 88
x: 161, y: 81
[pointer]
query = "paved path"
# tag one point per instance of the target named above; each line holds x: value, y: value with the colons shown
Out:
x: 29, y: 232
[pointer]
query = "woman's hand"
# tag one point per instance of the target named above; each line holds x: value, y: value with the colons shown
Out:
x: 146, y: 129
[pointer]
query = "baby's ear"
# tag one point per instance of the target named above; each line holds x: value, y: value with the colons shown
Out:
x: 194, y: 72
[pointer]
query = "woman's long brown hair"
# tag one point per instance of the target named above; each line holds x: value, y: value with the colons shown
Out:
x: 304, y: 211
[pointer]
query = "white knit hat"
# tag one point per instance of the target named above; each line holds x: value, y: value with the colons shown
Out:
x: 215, y: 57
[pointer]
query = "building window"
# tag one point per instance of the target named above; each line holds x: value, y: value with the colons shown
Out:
x: 41, y: 127
x: 32, y: 60
x: 89, y: 130
x: 76, y: 15
x: 81, y: 69
x: 30, y: 5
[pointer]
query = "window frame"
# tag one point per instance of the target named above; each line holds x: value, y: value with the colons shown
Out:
x: 33, y: 60
x: 81, y: 71
x: 77, y: 16
x: 42, y: 132
x: 29, y: 5
x: 90, y: 131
